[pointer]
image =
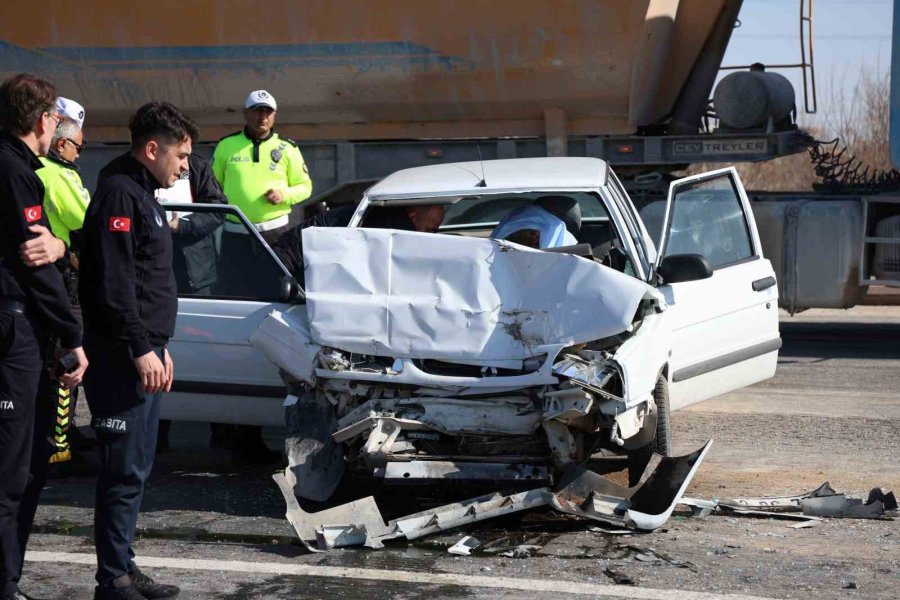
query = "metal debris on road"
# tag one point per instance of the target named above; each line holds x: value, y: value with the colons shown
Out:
x: 653, y: 555
x: 521, y: 551
x: 809, y: 507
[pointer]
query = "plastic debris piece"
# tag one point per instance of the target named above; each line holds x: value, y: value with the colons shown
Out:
x: 841, y: 506
x: 464, y: 546
x: 804, y: 524
x: 521, y: 551
x: 887, y: 499
x: 778, y: 503
x: 618, y: 578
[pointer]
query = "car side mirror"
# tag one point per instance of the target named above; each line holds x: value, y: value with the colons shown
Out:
x: 684, y: 267
x: 291, y: 292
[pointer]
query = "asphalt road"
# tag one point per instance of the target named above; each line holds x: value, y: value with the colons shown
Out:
x: 832, y: 413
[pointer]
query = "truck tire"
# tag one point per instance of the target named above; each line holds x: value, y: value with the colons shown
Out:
x: 662, y: 441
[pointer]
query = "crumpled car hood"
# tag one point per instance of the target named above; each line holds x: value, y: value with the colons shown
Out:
x: 421, y: 295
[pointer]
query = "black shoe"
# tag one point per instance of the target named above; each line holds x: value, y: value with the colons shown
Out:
x: 149, y: 588
x: 19, y: 595
x: 108, y: 592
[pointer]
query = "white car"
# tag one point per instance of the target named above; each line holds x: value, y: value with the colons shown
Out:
x: 415, y: 357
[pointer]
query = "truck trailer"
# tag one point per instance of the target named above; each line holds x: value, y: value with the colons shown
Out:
x: 369, y: 88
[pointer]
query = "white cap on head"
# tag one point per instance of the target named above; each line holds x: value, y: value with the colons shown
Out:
x: 71, y: 110
x: 260, y: 98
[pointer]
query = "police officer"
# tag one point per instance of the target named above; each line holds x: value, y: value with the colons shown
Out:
x: 65, y: 198
x: 261, y: 172
x: 29, y: 296
x: 193, y: 236
x: 129, y: 301
x: 65, y: 202
x: 265, y: 176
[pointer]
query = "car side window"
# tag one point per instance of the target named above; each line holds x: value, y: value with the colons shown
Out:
x: 217, y: 257
x: 707, y: 218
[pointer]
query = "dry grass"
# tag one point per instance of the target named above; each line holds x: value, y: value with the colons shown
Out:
x: 859, y: 118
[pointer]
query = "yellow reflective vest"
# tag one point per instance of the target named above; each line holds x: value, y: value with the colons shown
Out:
x: 247, y: 169
x: 65, y: 197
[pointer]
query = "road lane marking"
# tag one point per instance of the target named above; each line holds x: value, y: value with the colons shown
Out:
x: 412, y: 577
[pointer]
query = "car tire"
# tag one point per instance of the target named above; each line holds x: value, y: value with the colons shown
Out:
x: 314, y: 458
x: 662, y: 441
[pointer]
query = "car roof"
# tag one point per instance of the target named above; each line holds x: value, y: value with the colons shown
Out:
x: 505, y: 175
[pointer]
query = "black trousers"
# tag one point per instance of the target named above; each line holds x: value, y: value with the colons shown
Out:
x: 20, y: 370
x: 42, y: 448
x: 125, y: 419
x: 43, y: 445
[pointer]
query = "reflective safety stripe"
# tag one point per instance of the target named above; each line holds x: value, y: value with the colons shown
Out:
x: 62, y: 425
x: 264, y: 226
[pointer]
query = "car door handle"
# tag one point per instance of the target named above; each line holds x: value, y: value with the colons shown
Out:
x: 763, y: 284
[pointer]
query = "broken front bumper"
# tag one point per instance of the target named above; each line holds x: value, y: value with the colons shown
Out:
x: 581, y: 492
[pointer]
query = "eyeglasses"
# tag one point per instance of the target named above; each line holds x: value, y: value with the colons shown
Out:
x: 56, y: 118
x: 79, y: 148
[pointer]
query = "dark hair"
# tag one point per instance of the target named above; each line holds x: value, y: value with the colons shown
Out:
x: 23, y: 99
x: 162, y: 122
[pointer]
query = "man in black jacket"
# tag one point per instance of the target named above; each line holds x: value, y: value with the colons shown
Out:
x: 194, y: 256
x: 29, y: 297
x: 193, y: 235
x: 129, y: 301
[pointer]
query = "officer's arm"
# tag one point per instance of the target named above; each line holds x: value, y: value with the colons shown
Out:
x: 111, y: 238
x: 289, y: 250
x: 43, y: 285
x: 205, y: 189
x: 299, y: 185
x: 70, y: 202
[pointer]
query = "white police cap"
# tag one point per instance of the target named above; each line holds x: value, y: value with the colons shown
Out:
x: 260, y: 98
x: 71, y: 110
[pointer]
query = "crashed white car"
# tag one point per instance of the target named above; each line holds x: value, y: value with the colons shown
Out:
x: 423, y: 357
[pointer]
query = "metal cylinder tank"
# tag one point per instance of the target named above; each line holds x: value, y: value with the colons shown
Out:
x: 750, y: 98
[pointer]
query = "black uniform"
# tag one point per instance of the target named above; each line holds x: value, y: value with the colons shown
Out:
x: 194, y: 256
x: 129, y: 303
x: 28, y: 297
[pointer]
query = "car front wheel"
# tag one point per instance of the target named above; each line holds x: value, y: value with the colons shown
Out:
x: 661, y: 443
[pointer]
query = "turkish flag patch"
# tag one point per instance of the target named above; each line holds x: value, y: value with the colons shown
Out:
x: 33, y: 213
x: 119, y: 224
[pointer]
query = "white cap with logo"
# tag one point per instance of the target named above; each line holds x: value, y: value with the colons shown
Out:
x: 260, y: 98
x: 71, y: 110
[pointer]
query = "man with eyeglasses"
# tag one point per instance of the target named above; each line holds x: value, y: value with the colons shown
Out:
x: 31, y: 299
x: 65, y: 197
x: 65, y: 204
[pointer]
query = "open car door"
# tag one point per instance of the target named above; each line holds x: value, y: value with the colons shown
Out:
x: 724, y: 322
x: 219, y: 376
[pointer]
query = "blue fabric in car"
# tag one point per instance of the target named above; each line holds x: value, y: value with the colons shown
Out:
x: 552, y: 230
